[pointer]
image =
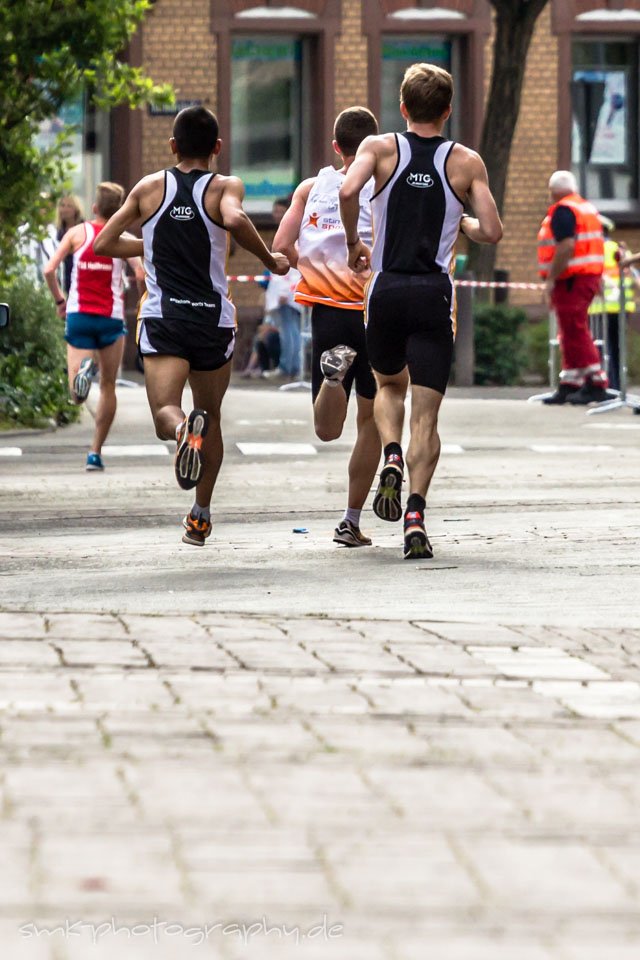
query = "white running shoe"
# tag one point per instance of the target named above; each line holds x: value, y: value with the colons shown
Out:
x: 335, y: 363
x: 349, y: 535
x: 82, y: 380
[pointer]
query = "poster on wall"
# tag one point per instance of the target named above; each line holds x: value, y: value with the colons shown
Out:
x: 605, y: 116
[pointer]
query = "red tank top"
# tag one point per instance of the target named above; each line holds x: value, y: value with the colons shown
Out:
x: 96, y: 282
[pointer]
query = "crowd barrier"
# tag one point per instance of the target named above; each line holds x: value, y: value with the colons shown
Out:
x: 599, y: 331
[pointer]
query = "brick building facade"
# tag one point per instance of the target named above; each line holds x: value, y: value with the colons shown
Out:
x: 341, y: 52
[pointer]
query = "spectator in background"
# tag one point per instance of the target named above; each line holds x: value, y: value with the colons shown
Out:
x: 37, y: 250
x: 265, y: 351
x: 281, y: 310
x: 279, y: 208
x: 68, y: 214
x: 571, y: 262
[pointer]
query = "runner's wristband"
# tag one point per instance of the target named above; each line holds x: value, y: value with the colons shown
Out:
x: 353, y: 243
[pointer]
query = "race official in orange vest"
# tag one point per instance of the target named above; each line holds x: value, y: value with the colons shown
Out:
x: 571, y: 261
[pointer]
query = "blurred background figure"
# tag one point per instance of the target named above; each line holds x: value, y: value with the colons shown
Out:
x: 68, y: 214
x: 282, y: 312
x: 37, y: 250
x: 265, y: 351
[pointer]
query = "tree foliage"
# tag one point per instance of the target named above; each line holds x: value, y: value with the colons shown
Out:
x: 49, y: 51
x: 515, y: 22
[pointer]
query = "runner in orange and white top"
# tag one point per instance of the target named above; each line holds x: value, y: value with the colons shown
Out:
x: 312, y: 237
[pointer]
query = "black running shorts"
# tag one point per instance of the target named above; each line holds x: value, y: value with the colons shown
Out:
x: 203, y: 346
x: 410, y: 324
x: 331, y: 326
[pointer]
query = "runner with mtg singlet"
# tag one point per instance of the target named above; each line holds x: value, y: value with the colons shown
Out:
x: 312, y: 237
x: 94, y: 310
x: 422, y: 183
x: 187, y: 322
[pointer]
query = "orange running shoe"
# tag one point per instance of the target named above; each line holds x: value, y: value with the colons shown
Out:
x: 196, y: 530
x: 188, y: 461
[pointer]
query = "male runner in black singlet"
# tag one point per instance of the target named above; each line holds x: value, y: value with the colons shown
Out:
x: 186, y: 327
x: 422, y: 183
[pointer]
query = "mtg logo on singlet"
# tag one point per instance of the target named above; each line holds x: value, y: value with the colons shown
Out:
x: 421, y: 180
x: 182, y: 213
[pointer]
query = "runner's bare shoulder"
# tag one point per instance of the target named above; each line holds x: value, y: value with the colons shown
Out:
x: 149, y: 183
x: 220, y: 185
x: 148, y: 193
x: 464, y: 165
x: 382, y: 144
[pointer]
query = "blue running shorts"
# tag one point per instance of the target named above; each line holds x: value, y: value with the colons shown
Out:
x: 92, y: 331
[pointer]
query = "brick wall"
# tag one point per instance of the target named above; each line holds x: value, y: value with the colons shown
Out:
x: 351, y: 60
x: 178, y: 48
x: 534, y: 156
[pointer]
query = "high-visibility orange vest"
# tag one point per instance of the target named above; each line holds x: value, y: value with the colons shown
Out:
x: 588, y: 255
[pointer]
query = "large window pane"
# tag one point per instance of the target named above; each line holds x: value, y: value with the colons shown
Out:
x: 87, y: 132
x: 398, y: 53
x: 604, y: 134
x: 266, y: 117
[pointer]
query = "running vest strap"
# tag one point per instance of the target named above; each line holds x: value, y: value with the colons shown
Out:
x: 322, y: 248
x: 588, y: 254
x: 185, y: 255
x: 416, y: 215
x: 97, y: 283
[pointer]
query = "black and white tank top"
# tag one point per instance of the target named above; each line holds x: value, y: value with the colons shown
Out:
x: 416, y: 215
x: 185, y: 255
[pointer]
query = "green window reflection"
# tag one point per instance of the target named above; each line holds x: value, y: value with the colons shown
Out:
x: 266, y: 117
x: 398, y: 54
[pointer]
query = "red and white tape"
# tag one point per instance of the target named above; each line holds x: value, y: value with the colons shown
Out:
x: 498, y: 285
x: 482, y: 284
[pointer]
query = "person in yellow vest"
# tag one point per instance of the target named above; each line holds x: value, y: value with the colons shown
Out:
x: 608, y: 301
x: 571, y: 261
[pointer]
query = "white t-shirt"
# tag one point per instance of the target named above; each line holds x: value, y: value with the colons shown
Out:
x: 281, y: 287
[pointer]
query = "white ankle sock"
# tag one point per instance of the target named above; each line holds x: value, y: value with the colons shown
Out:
x: 353, y: 516
x: 202, y: 513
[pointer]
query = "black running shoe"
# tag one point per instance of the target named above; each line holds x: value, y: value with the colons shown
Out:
x: 590, y: 393
x: 188, y: 460
x: 416, y: 541
x: 386, y: 503
x: 561, y: 396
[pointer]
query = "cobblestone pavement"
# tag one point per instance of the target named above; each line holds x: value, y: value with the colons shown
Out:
x: 403, y: 790
x: 272, y: 748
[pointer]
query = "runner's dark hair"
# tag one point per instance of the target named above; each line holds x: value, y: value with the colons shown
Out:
x: 195, y: 131
x: 351, y: 128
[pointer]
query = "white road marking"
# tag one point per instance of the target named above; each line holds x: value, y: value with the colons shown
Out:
x: 452, y: 448
x: 537, y: 663
x: 10, y: 452
x: 277, y: 449
x: 609, y: 700
x: 136, y: 450
x: 576, y: 684
x: 272, y: 423
x: 572, y: 448
x: 607, y: 425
